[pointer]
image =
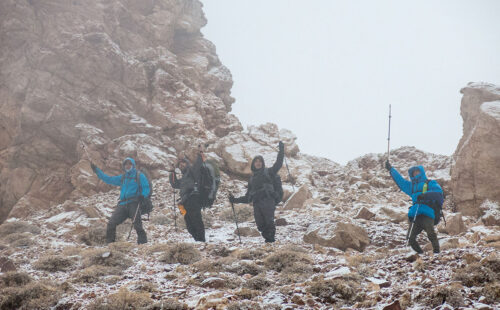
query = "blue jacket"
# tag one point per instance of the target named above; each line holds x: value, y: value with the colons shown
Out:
x: 127, y: 182
x: 414, y: 188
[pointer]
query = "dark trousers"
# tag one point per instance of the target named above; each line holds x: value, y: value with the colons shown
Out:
x: 121, y: 213
x: 263, y: 211
x: 194, y: 221
x: 423, y: 223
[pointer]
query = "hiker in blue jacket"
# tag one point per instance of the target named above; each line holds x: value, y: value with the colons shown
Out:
x: 134, y: 187
x: 424, y: 194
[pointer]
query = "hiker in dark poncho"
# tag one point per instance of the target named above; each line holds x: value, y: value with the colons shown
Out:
x: 191, y: 202
x: 264, y: 193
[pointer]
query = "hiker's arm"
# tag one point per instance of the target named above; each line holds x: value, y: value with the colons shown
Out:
x: 243, y: 199
x: 116, y: 180
x: 279, y: 160
x: 174, y: 181
x: 144, y: 185
x: 401, y: 182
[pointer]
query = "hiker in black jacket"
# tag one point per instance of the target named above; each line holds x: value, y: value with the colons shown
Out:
x: 262, y: 194
x: 190, y: 203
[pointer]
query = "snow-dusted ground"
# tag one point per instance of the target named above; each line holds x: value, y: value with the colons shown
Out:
x: 384, y: 271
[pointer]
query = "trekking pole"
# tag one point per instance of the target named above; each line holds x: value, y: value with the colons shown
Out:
x: 288, y: 169
x: 389, y: 136
x: 133, y: 221
x: 175, y: 212
x: 411, y: 227
x: 289, y: 175
x: 236, y: 221
x: 86, y: 152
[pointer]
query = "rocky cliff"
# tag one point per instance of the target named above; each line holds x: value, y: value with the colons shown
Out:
x: 127, y: 78
x: 476, y: 169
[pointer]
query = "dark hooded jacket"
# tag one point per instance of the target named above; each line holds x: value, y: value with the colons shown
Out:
x: 190, y: 176
x: 260, y: 184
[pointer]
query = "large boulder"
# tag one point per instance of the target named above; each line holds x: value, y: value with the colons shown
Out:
x: 298, y: 199
x: 476, y: 169
x: 454, y: 225
x: 338, y: 235
x: 491, y: 213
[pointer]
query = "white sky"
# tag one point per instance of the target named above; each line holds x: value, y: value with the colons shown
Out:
x: 328, y: 70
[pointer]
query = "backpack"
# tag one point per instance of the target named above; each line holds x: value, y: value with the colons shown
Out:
x: 275, y: 181
x: 209, y: 182
x: 435, y: 201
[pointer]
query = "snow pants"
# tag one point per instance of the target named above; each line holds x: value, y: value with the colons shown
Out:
x: 263, y: 211
x: 193, y: 218
x: 119, y: 215
x: 425, y: 223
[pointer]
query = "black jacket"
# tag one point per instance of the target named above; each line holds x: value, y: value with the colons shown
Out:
x: 261, y: 180
x: 188, y: 183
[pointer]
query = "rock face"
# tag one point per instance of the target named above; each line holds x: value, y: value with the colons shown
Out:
x: 127, y: 78
x: 476, y: 169
x: 339, y: 235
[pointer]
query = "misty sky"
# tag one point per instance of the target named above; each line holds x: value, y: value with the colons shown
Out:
x: 328, y: 70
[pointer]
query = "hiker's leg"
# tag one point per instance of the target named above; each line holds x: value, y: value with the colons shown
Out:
x: 268, y: 210
x: 141, y: 233
x: 428, y: 225
x: 193, y: 219
x: 258, y: 215
x: 417, y: 229
x: 118, y: 216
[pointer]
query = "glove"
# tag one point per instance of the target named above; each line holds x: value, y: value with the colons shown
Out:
x: 388, y: 165
x: 420, y: 198
x: 94, y: 167
x: 231, y: 198
x: 281, y: 146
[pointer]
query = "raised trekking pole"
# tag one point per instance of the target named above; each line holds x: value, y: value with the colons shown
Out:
x: 389, y: 136
x: 86, y: 152
x: 133, y: 221
x: 236, y: 221
x: 411, y: 226
x: 289, y: 175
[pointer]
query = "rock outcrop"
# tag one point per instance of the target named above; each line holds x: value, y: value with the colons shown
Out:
x: 342, y: 236
x: 476, y: 169
x: 127, y: 78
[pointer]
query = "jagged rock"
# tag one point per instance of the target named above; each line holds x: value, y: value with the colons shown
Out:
x: 491, y: 213
x: 213, y: 283
x: 298, y: 199
x: 338, y: 235
x: 365, y: 214
x: 281, y: 222
x: 247, y: 232
x: 454, y: 225
x: 476, y: 169
x: 394, y: 306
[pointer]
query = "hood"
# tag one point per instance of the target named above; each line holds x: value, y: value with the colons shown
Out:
x: 419, y: 178
x: 187, y: 166
x: 253, y: 163
x: 130, y: 160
